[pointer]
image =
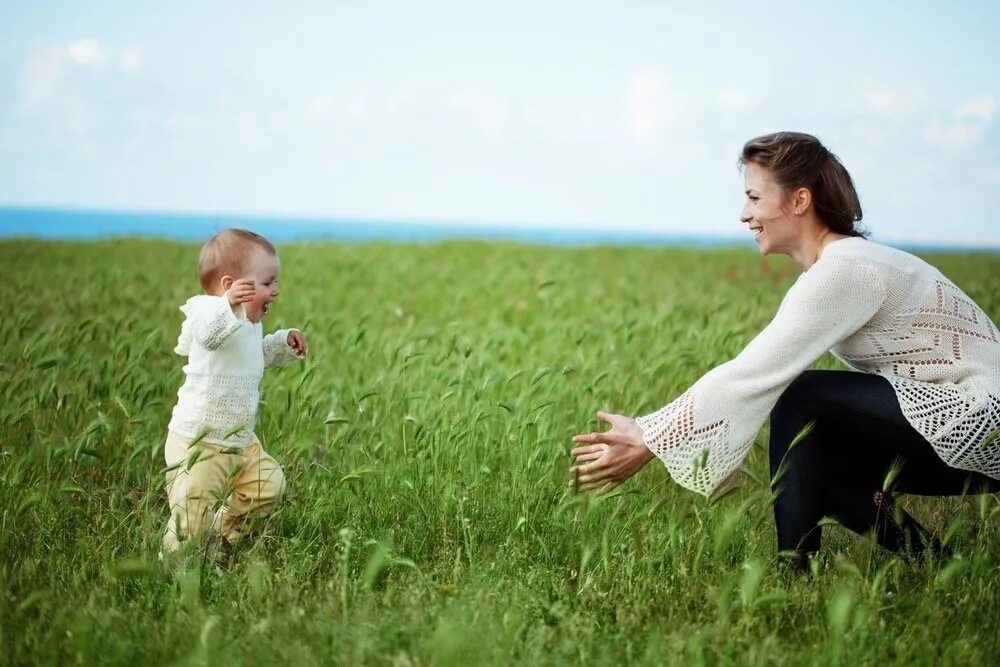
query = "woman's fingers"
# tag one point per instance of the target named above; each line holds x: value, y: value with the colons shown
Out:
x: 605, y: 481
x: 596, y: 474
x: 595, y: 485
x: 605, y: 437
x: 587, y: 468
x: 609, y: 417
x: 587, y: 449
x: 591, y: 456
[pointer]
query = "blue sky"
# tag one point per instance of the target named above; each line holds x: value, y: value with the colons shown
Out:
x: 562, y: 114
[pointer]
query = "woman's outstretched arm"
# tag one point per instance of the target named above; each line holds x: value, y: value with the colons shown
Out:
x: 704, y: 434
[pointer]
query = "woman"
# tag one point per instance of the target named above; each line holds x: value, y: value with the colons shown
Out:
x: 921, y: 415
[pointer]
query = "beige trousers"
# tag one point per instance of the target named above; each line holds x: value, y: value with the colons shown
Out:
x: 214, y: 489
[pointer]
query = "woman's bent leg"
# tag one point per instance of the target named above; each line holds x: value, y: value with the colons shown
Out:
x: 835, y: 437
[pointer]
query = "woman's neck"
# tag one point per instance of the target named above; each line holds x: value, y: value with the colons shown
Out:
x: 813, y: 242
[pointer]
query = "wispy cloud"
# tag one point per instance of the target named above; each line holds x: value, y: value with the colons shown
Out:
x: 952, y: 135
x: 737, y: 99
x: 653, y: 105
x: 488, y: 111
x: 87, y: 53
x: 967, y: 124
x: 130, y: 59
x: 40, y: 77
x: 893, y: 103
x: 647, y: 105
x: 981, y: 108
x: 47, y: 70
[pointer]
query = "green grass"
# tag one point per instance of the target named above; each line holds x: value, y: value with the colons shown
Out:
x: 425, y: 441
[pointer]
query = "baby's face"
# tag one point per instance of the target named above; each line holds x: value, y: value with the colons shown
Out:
x: 262, y: 268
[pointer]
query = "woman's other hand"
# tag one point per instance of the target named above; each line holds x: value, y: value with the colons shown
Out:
x: 605, y: 460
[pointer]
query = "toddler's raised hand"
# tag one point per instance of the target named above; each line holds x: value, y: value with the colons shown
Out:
x: 297, y: 341
x: 241, y: 291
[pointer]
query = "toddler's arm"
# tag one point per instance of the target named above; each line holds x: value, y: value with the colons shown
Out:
x: 284, y: 346
x: 209, y: 321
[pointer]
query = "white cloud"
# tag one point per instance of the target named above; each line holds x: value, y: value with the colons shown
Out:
x: 966, y: 126
x: 45, y: 72
x: 88, y: 53
x: 534, y: 116
x: 321, y: 106
x: 982, y: 109
x: 40, y: 77
x: 190, y: 122
x: 487, y: 110
x: 648, y: 105
x: 869, y: 132
x: 953, y: 135
x: 891, y: 103
x: 130, y: 59
x: 736, y: 99
x: 358, y: 107
x: 80, y: 116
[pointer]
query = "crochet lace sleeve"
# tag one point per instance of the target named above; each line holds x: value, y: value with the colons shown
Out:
x: 209, y: 321
x: 277, y: 351
x: 703, y: 436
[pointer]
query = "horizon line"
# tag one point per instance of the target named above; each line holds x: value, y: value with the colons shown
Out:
x: 483, y: 229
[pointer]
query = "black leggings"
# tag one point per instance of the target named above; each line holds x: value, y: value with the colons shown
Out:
x: 840, y: 467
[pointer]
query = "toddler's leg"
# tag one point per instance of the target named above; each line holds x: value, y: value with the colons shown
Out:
x: 258, y: 487
x: 195, y: 485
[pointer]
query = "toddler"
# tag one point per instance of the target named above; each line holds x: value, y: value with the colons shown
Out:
x: 218, y: 475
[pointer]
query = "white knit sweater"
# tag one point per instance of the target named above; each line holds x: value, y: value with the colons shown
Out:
x: 879, y: 310
x: 226, y: 360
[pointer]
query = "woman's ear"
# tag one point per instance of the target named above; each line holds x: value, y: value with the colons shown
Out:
x: 801, y: 201
x: 226, y: 282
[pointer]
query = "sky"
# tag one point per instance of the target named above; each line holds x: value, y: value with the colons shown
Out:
x: 595, y: 115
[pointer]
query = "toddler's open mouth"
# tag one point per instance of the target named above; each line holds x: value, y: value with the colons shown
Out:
x: 264, y: 308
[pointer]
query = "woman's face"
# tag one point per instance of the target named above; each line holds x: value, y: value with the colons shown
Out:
x: 767, y: 212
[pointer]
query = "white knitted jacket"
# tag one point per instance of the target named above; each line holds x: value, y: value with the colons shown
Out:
x: 226, y: 360
x: 879, y: 310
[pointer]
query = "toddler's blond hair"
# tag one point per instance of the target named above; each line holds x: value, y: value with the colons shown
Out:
x: 226, y: 253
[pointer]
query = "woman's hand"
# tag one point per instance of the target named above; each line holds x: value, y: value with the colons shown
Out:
x: 607, y: 459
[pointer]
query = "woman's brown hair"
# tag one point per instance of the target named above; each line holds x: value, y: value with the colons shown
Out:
x: 798, y: 160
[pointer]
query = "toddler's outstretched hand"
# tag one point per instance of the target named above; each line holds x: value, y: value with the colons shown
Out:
x: 241, y: 291
x: 297, y: 341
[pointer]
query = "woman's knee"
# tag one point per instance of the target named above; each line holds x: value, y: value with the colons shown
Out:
x: 799, y: 395
x: 793, y: 418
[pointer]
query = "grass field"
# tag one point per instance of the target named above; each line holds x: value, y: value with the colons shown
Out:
x: 425, y: 440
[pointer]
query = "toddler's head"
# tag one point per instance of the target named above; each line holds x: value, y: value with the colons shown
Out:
x: 235, y: 254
